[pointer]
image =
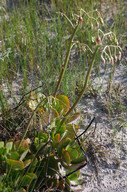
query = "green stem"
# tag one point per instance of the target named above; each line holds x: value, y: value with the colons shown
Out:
x: 84, y: 87
x: 66, y: 60
x: 28, y: 125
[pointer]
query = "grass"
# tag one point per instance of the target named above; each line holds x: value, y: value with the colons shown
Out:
x: 37, y: 44
x: 35, y: 53
x: 33, y: 44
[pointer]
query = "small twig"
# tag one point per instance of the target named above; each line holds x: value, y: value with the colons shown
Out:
x: 85, y: 129
x: 85, y: 155
x: 28, y: 125
x: 75, y: 170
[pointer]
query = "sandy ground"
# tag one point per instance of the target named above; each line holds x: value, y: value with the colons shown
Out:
x: 111, y: 161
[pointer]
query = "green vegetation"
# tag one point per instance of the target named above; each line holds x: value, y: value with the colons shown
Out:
x: 54, y: 52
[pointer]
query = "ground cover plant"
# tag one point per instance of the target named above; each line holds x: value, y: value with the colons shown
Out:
x: 37, y: 162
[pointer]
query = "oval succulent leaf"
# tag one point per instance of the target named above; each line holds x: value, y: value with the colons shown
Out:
x: 15, y: 164
x: 67, y: 184
x: 43, y: 136
x: 24, y: 154
x: 32, y: 175
x: 74, y: 154
x: 64, y: 102
x: 52, y: 165
x: 76, y: 165
x: 26, y: 180
x: 56, y: 140
x: 14, y: 155
x: 1, y: 144
x: 74, y: 176
x: 63, y: 143
x: 27, y: 163
x: 77, y: 182
x: 70, y: 132
x: 9, y: 146
x: 78, y: 160
x: 65, y: 156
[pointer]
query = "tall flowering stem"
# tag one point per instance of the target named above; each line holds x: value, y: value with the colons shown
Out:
x: 64, y: 66
x: 84, y: 87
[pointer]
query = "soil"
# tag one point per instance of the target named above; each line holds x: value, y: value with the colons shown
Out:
x: 109, y: 140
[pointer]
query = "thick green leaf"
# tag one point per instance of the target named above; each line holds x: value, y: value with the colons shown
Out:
x: 63, y: 143
x: 9, y: 146
x: 49, y: 116
x: 3, y: 150
x: 24, y: 154
x: 74, y: 154
x: 24, y: 145
x: 26, y: 180
x: 74, y: 166
x: 33, y: 163
x: 78, y: 160
x: 64, y: 102
x: 65, y: 156
x: 67, y: 184
x: 15, y: 164
x: 32, y: 175
x: 56, y: 140
x: 27, y: 163
x: 59, y: 129
x: 77, y: 182
x: 1, y: 144
x: 74, y: 176
x: 70, y: 131
x: 14, y: 155
x: 43, y: 136
x: 52, y: 163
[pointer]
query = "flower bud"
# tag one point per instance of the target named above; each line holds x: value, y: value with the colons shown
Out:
x: 115, y: 58
x: 93, y: 42
x: 116, y: 42
x: 103, y: 60
x: 112, y: 60
x: 80, y: 20
x: 98, y: 40
x: 91, y: 25
x: 119, y: 55
x: 101, y: 20
x: 97, y: 24
x: 84, y: 47
x: 73, y: 21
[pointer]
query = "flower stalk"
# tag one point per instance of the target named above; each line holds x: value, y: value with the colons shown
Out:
x: 64, y: 66
x: 84, y: 87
